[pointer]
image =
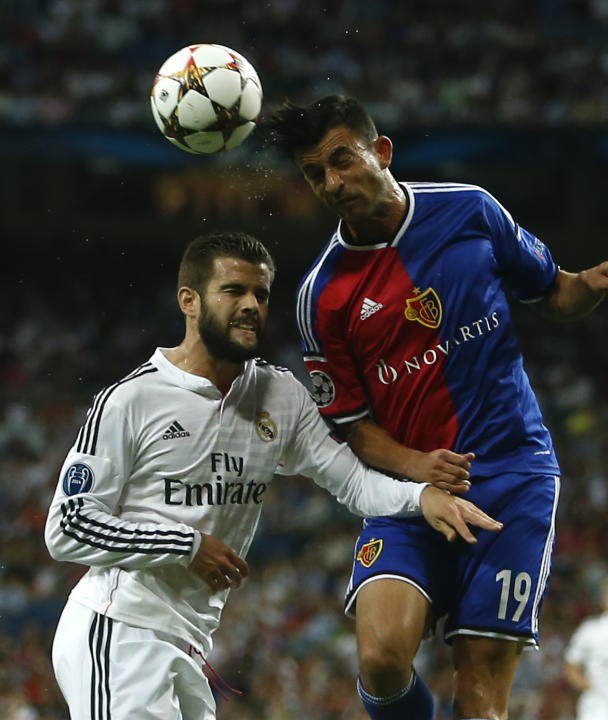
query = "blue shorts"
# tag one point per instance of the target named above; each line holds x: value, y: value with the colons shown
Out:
x: 493, y: 588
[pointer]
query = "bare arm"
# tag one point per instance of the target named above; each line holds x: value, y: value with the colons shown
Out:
x: 576, y: 677
x: 443, y: 468
x: 575, y: 294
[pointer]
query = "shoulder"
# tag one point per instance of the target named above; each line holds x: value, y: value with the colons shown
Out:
x: 271, y: 371
x: 445, y: 192
x: 321, y: 269
x: 595, y: 622
x: 279, y: 375
x: 590, y: 629
x: 276, y: 378
x: 113, y: 407
x: 470, y: 199
x: 276, y: 390
x: 326, y: 287
x: 129, y: 387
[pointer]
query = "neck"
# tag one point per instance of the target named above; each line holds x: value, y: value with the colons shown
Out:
x: 192, y: 356
x: 383, y: 224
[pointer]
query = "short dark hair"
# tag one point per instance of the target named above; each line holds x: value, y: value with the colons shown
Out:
x: 293, y: 127
x: 196, y: 266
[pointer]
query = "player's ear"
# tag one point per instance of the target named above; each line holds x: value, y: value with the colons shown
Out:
x: 384, y: 150
x: 189, y: 301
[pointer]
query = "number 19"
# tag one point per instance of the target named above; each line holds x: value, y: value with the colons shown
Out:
x: 521, y: 592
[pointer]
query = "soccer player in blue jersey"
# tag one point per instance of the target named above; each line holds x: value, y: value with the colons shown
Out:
x: 407, y: 335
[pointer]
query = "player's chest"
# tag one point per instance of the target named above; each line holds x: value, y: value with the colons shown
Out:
x: 202, y: 440
x: 413, y: 296
x: 388, y: 304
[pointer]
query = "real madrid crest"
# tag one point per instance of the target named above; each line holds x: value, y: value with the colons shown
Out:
x: 265, y: 426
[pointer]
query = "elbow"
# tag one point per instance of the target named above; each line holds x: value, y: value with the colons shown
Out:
x: 357, y: 437
x: 572, y: 297
x: 361, y: 505
x: 52, y: 547
x: 52, y: 540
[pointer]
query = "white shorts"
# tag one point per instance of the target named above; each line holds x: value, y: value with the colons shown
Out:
x: 108, y: 670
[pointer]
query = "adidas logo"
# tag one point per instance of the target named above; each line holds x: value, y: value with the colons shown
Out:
x: 175, y: 430
x: 369, y: 307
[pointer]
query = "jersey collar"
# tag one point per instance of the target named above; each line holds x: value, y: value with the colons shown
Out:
x: 189, y: 381
x: 340, y: 234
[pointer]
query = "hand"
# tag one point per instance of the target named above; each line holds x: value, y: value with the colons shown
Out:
x: 450, y: 515
x: 445, y: 469
x: 596, y: 278
x: 218, y: 565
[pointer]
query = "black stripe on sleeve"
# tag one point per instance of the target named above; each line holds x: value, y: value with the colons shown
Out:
x: 87, y: 437
x: 76, y: 525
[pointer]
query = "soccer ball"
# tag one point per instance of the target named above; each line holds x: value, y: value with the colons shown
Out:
x: 206, y: 98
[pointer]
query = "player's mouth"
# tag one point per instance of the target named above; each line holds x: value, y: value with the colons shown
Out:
x: 247, y: 327
x: 344, y: 202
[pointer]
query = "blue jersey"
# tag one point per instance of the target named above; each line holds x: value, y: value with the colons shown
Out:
x: 417, y: 332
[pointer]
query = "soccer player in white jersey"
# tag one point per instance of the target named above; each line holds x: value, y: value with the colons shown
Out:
x: 586, y: 663
x: 162, y: 491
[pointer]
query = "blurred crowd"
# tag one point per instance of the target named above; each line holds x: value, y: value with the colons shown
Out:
x: 418, y: 63
x: 284, y: 640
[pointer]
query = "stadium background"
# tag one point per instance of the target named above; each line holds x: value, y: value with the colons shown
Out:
x: 96, y: 207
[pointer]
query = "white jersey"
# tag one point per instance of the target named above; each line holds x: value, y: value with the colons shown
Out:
x: 162, y: 457
x: 588, y: 648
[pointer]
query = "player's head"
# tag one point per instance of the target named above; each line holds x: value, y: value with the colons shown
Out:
x: 197, y: 263
x: 335, y: 144
x: 224, y: 284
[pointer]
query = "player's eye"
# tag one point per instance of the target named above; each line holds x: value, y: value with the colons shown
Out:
x: 314, y: 176
x: 343, y: 161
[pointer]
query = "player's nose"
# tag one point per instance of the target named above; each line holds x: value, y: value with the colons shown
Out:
x: 333, y: 181
x: 250, y: 303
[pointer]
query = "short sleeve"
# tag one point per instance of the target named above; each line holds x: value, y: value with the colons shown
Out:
x: 524, y: 261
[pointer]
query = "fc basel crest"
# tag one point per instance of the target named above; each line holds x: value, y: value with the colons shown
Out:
x: 424, y: 308
x: 370, y: 552
x: 265, y: 426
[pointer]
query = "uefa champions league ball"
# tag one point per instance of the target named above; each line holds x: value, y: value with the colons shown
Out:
x: 206, y: 98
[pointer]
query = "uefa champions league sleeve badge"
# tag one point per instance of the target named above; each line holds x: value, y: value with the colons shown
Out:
x: 78, y: 478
